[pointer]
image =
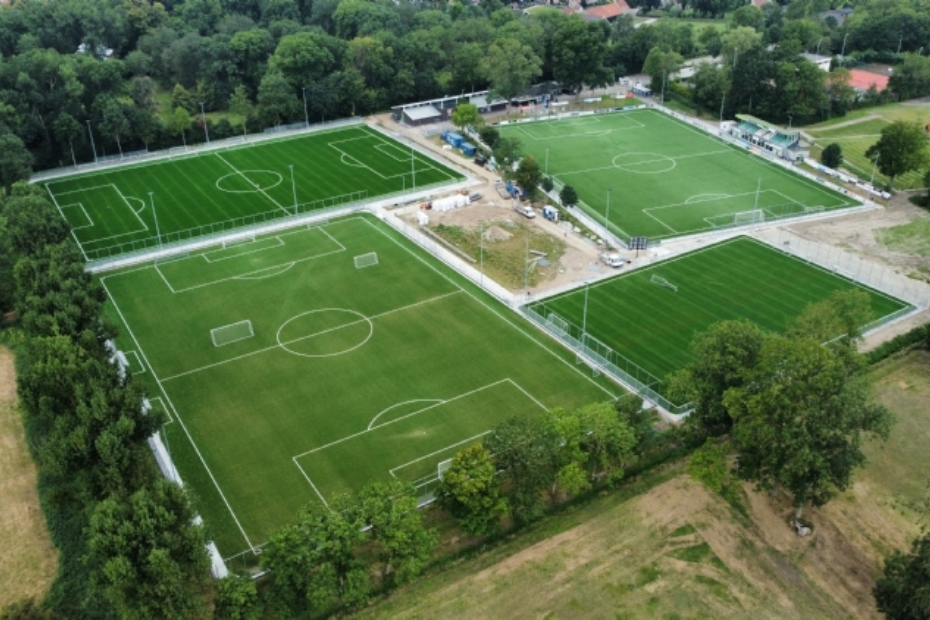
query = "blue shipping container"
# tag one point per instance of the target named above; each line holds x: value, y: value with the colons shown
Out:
x: 454, y: 139
x: 468, y: 148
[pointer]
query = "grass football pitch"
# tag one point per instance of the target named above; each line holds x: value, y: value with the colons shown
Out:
x: 111, y: 212
x: 350, y: 375
x: 652, y: 324
x: 665, y: 177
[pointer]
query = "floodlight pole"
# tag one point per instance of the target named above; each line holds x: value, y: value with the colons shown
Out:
x: 722, y: 102
x: 481, y: 250
x: 293, y: 187
x: 790, y: 120
x: 607, y: 216
x: 900, y: 41
x: 92, y: 146
x: 818, y: 45
x: 584, y: 316
x: 874, y: 165
x: 843, y: 51
x: 413, y: 167
x: 306, y: 116
x: 663, y: 87
x: 526, y: 265
x: 203, y: 118
x: 155, y: 216
x: 758, y: 189
x: 547, y: 160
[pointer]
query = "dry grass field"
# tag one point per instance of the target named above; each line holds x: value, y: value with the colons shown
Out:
x: 27, y: 557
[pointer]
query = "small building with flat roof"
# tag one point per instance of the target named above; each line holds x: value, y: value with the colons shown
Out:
x: 772, y: 138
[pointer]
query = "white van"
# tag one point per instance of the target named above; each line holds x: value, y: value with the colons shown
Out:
x: 613, y: 259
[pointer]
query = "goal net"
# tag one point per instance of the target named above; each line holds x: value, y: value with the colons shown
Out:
x: 443, y: 467
x: 558, y: 323
x: 663, y: 282
x: 755, y: 216
x: 233, y: 332
x: 815, y: 209
x: 366, y: 260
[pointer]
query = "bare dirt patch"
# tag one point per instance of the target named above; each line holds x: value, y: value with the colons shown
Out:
x: 27, y: 559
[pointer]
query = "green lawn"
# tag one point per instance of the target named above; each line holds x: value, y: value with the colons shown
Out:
x: 861, y: 129
x: 652, y: 325
x: 665, y: 177
x: 352, y: 375
x: 111, y: 211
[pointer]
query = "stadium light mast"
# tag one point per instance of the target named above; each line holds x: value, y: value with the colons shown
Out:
x: 155, y: 215
x: 843, y: 51
x: 413, y: 167
x: 293, y: 187
x: 607, y: 216
x: 547, y: 160
x: 790, y: 120
x: 526, y: 265
x: 722, y: 102
x: 92, y: 146
x: 306, y: 116
x: 874, y: 165
x: 584, y: 316
x: 481, y: 249
x: 203, y: 118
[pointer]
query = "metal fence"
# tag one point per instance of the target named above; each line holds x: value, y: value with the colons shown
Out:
x: 603, y: 358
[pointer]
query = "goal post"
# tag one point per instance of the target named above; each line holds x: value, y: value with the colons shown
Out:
x: 366, y: 260
x: 663, y: 282
x: 443, y: 467
x: 234, y: 332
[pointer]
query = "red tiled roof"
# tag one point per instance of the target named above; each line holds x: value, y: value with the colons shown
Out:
x: 760, y: 3
x: 862, y: 80
x: 608, y: 11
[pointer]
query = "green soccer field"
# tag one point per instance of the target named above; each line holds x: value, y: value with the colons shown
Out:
x: 111, y: 212
x: 665, y: 177
x: 652, y: 325
x: 342, y: 376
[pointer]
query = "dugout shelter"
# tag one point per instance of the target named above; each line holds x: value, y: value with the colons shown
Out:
x: 772, y: 138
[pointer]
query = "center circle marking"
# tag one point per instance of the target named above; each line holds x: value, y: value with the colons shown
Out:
x: 362, y: 317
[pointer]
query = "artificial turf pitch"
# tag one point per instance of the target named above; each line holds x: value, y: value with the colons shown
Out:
x: 653, y: 325
x: 664, y: 177
x: 352, y: 375
x: 111, y: 212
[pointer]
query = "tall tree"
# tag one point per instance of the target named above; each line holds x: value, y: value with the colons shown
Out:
x: 579, y: 49
x: 465, y: 115
x: 470, y: 491
x: 660, y: 66
x: 67, y: 129
x: 528, y: 175
x: 721, y: 354
x: 800, y: 415
x: 902, y: 148
x: 276, y: 97
x: 526, y: 450
x: 404, y: 544
x: 903, y: 590
x: 147, y: 555
x: 511, y: 66
x: 568, y: 196
x: 240, y: 105
x: 15, y: 159
x: 832, y: 155
x: 114, y: 123
x: 180, y: 123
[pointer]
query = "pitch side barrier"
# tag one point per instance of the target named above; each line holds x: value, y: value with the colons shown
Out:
x: 278, y: 132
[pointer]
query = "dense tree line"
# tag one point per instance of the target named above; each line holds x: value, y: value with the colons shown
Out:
x: 146, y: 70
x: 126, y: 539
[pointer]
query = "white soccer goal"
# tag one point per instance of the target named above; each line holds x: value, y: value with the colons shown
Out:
x: 558, y: 323
x: 443, y: 467
x: 233, y: 332
x: 815, y: 209
x: 239, y: 241
x: 366, y: 260
x: 756, y: 216
x: 663, y: 282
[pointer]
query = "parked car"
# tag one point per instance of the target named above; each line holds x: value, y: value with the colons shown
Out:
x: 613, y: 259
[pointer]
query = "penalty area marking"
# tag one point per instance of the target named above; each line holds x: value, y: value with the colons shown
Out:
x: 138, y: 363
x: 83, y: 210
x: 434, y: 401
x: 270, y: 272
x: 705, y: 197
x: 133, y: 199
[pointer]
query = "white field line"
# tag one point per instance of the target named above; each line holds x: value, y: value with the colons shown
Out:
x: 83, y: 189
x: 422, y: 160
x: 171, y: 407
x: 62, y: 213
x: 440, y: 451
x: 314, y: 335
x: 493, y: 311
x: 164, y: 408
x: 403, y: 417
x: 664, y: 158
x: 316, y: 490
x: 406, y: 402
x: 255, y: 185
x: 248, y: 274
x: 138, y: 362
x: 86, y: 215
x: 129, y: 206
x: 271, y: 272
x: 581, y: 122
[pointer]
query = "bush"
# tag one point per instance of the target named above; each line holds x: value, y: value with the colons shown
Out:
x: 917, y: 336
x: 832, y: 156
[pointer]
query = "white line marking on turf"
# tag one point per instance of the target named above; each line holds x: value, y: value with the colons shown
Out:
x: 403, y: 417
x: 406, y: 402
x: 316, y: 490
x: 176, y: 415
x: 248, y: 180
x: 441, y: 450
x: 271, y: 272
x: 138, y: 362
x: 62, y: 213
x: 86, y: 216
x: 277, y: 346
